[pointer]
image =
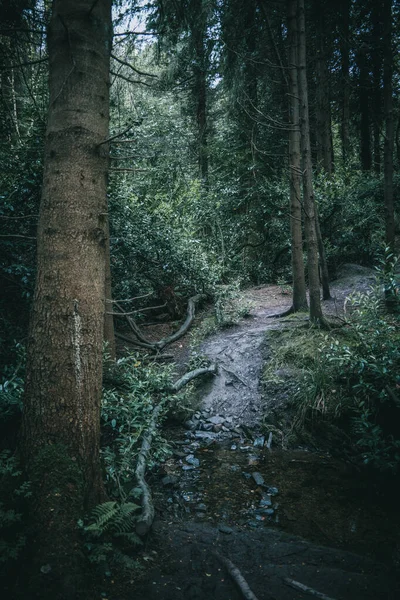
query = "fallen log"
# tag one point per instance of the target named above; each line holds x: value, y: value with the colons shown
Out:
x: 146, y: 519
x: 237, y: 577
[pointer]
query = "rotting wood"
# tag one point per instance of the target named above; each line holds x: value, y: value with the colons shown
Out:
x: 304, y: 588
x: 237, y: 577
x: 188, y: 377
x: 147, y: 517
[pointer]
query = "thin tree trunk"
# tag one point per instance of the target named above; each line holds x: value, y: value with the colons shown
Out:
x: 345, y: 78
x: 365, y: 126
x: 61, y: 418
x: 323, y: 105
x: 376, y: 80
x: 109, y: 333
x: 299, y: 299
x: 308, y: 191
x: 389, y: 125
x: 326, y: 294
x: 200, y: 87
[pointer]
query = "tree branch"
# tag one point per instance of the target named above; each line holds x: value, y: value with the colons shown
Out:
x: 126, y: 64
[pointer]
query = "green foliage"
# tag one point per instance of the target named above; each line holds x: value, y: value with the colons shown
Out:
x: 110, y: 534
x: 131, y: 388
x: 14, y: 490
x: 352, y: 374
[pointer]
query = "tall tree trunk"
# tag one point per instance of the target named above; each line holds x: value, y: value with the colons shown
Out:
x: 323, y: 105
x: 200, y: 84
x: 61, y: 418
x: 365, y: 125
x: 389, y: 125
x: 299, y: 300
x: 376, y: 82
x: 344, y: 45
x: 308, y: 191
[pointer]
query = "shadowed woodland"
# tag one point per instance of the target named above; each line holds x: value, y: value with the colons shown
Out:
x: 175, y: 173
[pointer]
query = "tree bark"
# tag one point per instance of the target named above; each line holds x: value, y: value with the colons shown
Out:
x: 344, y: 45
x: 61, y: 418
x: 389, y: 126
x: 299, y: 298
x: 365, y: 125
x: 308, y: 191
x: 323, y: 105
x: 109, y: 333
x: 376, y: 83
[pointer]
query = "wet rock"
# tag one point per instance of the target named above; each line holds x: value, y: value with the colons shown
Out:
x: 217, y: 428
x: 192, y: 460
x: 266, y: 500
x: 225, y: 429
x: 253, y: 524
x: 259, y: 441
x: 207, y: 426
x: 225, y: 529
x: 201, y: 507
x: 258, y: 478
x: 187, y: 468
x: 246, y: 475
x: 272, y: 490
x: 169, y: 480
x: 190, y: 425
x: 179, y: 454
x: 233, y: 447
x: 204, y: 435
x: 216, y: 420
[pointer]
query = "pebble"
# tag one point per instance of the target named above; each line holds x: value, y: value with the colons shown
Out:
x: 216, y: 420
x: 272, y: 490
x: 169, y: 480
x: 258, y: 478
x: 191, y: 460
x: 204, y: 435
x: 201, y: 507
x: 225, y: 529
x: 266, y: 500
x: 259, y: 442
x: 233, y: 447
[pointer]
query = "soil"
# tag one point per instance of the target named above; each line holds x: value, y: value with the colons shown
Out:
x: 235, y: 488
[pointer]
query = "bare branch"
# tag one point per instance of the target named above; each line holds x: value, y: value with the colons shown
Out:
x: 24, y: 64
x: 126, y: 64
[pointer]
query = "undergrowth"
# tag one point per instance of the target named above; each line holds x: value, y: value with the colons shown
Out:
x: 350, y: 376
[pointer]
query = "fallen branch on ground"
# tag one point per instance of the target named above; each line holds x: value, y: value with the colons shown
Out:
x: 187, y: 378
x: 237, y: 577
x: 304, y: 588
x: 234, y: 375
x: 147, y: 517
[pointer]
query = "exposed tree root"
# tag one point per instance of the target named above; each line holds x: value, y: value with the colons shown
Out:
x: 178, y: 385
x: 304, y: 588
x: 237, y: 577
x: 143, y: 342
x: 147, y: 517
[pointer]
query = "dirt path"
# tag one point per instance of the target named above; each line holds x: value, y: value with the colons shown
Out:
x: 225, y: 490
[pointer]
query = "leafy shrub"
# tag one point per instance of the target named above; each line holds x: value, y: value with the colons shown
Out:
x: 131, y: 387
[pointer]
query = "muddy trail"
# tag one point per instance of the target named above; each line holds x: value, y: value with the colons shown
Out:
x: 234, y: 489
